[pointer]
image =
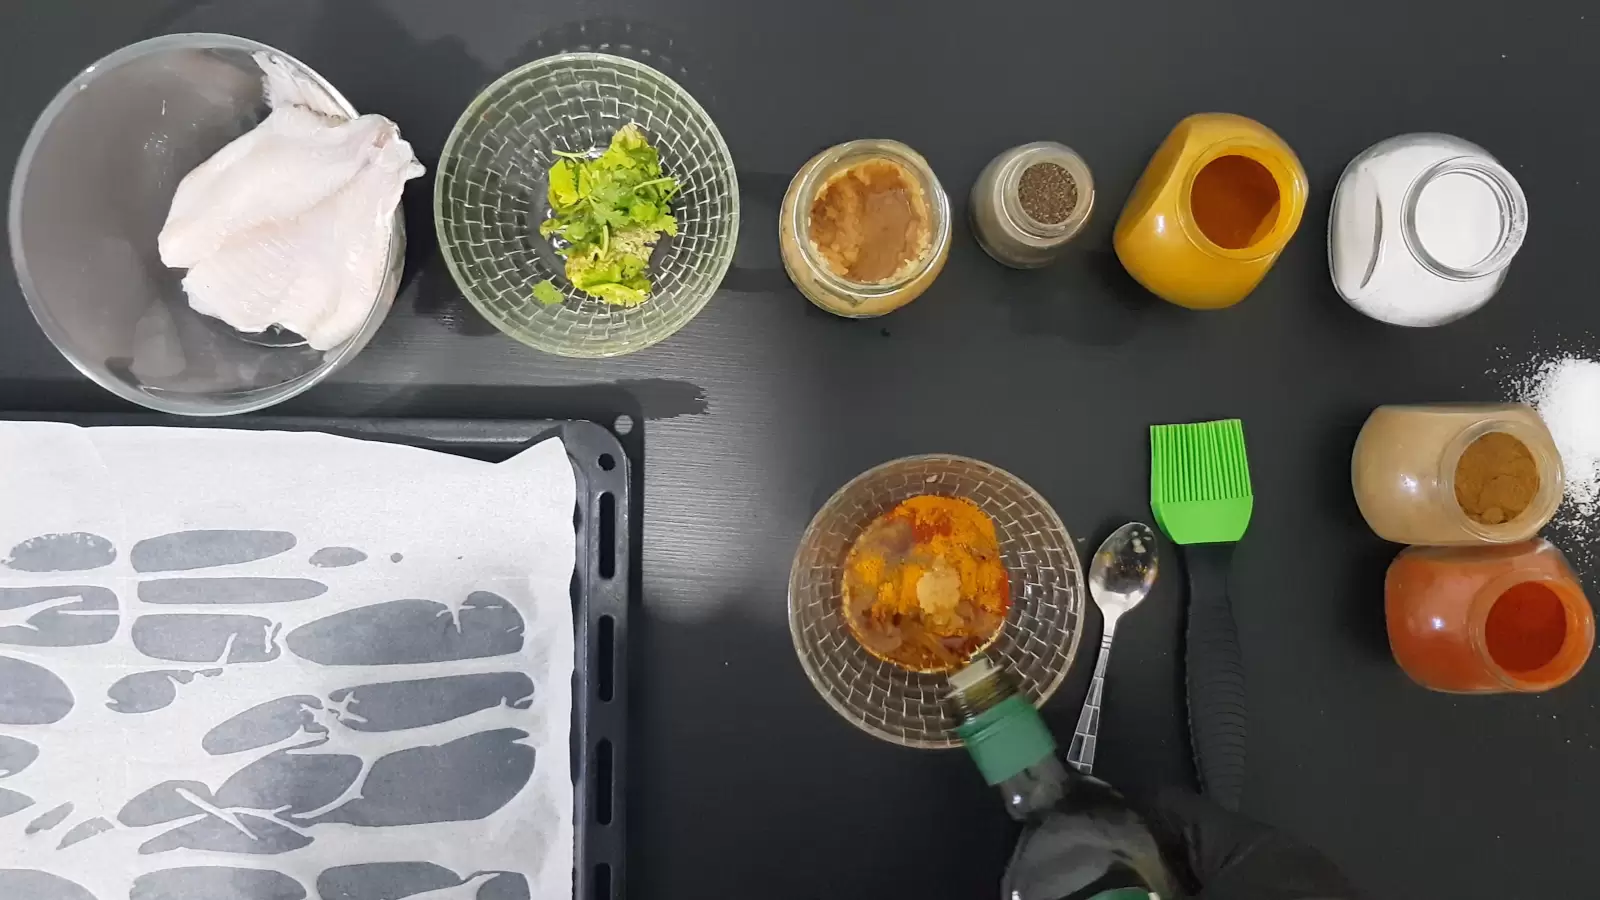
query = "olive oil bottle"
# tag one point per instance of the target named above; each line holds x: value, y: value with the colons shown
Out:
x: 1080, y: 839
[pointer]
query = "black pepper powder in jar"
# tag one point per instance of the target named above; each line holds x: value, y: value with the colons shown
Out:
x: 1047, y: 192
x: 1029, y: 201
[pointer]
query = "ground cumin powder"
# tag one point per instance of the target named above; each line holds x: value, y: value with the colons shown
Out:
x: 1496, y: 479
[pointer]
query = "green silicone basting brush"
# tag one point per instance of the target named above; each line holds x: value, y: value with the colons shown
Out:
x: 1200, y: 495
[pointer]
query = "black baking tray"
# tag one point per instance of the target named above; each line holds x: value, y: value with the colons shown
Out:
x: 600, y: 592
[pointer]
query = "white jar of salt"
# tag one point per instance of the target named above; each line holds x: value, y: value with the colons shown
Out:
x: 1422, y: 229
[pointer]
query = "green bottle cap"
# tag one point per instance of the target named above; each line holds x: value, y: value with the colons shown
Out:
x: 1007, y: 739
x: 1127, y: 893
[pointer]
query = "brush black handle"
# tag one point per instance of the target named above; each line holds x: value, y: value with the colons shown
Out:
x: 1214, y: 679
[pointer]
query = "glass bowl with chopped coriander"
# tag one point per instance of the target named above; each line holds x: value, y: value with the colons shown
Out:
x: 587, y: 205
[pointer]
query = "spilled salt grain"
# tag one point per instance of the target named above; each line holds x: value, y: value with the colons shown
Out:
x: 1568, y: 399
x: 1566, y: 391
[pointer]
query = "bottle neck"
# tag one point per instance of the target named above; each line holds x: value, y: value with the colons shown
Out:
x: 1009, y: 742
x: 1097, y: 850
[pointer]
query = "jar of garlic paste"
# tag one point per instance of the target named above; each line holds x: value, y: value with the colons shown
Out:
x: 864, y: 228
x: 1455, y: 474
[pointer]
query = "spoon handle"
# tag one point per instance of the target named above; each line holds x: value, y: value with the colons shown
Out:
x: 1080, y: 755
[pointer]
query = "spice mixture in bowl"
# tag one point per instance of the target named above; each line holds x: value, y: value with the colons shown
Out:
x: 924, y: 587
x: 918, y: 538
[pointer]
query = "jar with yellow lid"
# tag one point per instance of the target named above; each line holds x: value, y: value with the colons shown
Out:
x: 1212, y: 211
x: 864, y: 228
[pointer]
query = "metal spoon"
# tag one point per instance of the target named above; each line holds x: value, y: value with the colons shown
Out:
x: 1122, y: 573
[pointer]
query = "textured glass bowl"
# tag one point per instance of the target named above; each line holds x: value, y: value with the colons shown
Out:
x: 490, y: 197
x: 1041, y: 631
x: 89, y: 196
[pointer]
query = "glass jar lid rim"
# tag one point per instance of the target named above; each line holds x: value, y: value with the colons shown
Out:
x: 1076, y: 168
x: 1513, y: 224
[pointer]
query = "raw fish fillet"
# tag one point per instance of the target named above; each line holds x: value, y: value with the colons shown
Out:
x: 315, y: 274
x: 290, y: 223
x: 292, y: 161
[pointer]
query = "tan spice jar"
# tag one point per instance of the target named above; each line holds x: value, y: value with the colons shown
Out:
x: 864, y: 228
x: 1454, y: 474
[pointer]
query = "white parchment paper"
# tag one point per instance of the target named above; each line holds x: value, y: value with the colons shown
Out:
x: 268, y: 666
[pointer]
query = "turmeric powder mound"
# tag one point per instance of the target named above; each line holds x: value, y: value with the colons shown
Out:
x: 924, y: 586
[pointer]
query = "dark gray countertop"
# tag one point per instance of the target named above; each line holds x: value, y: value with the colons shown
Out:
x: 743, y: 782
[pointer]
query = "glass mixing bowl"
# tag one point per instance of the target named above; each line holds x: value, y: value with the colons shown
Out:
x: 1041, y: 631
x: 89, y: 196
x: 490, y: 197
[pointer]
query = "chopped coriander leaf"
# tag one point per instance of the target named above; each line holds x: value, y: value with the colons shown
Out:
x: 548, y: 294
x: 609, y: 212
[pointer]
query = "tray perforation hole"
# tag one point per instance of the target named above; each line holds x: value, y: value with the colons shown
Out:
x: 607, y: 655
x: 608, y: 535
x: 602, y: 782
x: 601, y: 882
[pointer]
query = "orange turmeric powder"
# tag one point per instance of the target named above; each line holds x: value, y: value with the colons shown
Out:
x: 924, y: 585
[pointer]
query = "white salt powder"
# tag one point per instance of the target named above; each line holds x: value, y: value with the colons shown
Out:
x: 1566, y: 391
x: 1458, y: 220
x: 1568, y: 398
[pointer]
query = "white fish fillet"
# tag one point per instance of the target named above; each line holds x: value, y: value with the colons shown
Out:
x: 289, y: 163
x: 290, y: 223
x: 315, y: 274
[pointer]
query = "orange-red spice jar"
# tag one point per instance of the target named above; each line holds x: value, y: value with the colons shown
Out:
x: 1485, y: 620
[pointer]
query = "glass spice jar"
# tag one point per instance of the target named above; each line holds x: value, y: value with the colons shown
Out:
x: 1423, y: 229
x: 864, y: 228
x: 1029, y: 201
x: 1453, y: 474
x: 1216, y: 205
x: 1484, y: 620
